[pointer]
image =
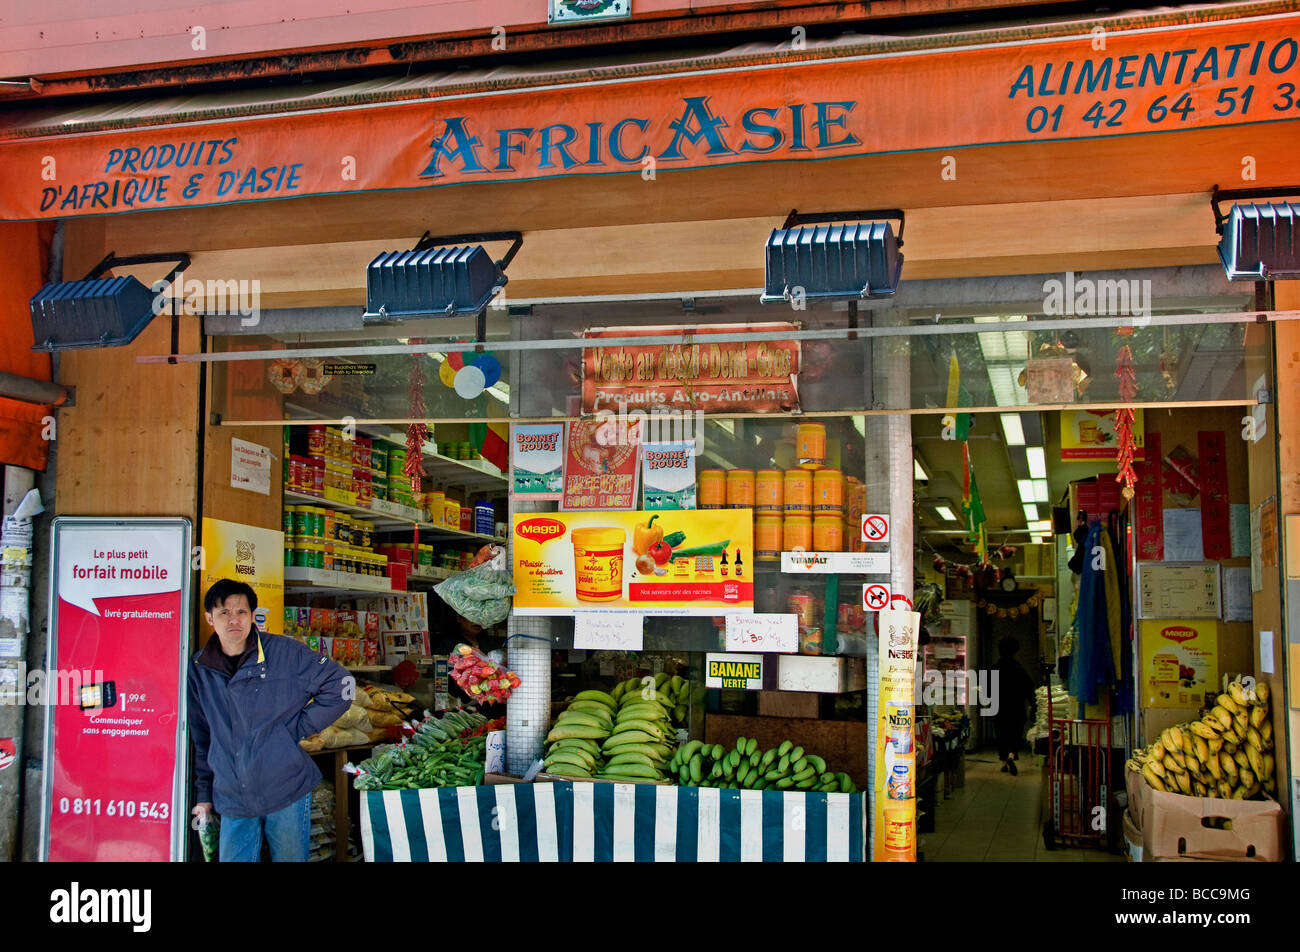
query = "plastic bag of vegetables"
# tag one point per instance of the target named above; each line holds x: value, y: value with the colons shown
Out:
x: 482, y: 593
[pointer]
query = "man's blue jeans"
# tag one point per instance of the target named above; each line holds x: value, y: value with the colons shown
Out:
x: 288, y: 832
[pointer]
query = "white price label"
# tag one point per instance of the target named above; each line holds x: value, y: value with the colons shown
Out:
x: 763, y: 633
x: 608, y: 631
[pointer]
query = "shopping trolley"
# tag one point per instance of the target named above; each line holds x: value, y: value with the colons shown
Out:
x: 1078, y: 779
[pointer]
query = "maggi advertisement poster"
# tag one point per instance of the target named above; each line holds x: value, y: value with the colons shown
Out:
x: 895, y: 780
x: 682, y: 562
x: 1180, y: 661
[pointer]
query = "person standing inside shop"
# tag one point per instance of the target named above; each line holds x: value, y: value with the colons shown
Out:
x: 252, y: 698
x: 1015, y: 694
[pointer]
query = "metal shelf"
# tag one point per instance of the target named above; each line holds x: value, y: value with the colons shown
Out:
x: 475, y: 476
x: 328, y: 582
x: 385, y: 522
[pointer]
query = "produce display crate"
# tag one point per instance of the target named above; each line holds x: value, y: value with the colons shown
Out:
x: 586, y: 822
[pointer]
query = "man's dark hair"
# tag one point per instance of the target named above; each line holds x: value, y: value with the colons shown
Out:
x: 223, y: 589
x: 1008, y: 646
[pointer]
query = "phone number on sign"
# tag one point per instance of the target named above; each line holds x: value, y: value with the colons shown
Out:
x: 131, y: 809
x: 1232, y: 100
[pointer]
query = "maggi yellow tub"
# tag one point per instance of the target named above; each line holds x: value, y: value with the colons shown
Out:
x: 598, y: 563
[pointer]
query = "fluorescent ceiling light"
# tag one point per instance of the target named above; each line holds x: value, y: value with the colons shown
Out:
x: 1031, y: 513
x: 1044, y: 525
x: 1041, y: 491
x: 1037, y: 462
x: 945, y: 513
x: 918, y: 471
x: 860, y: 424
x: 1026, y: 489
x: 1015, y: 433
x: 728, y: 425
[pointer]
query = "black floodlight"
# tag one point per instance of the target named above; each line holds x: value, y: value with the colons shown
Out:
x: 1259, y: 242
x: 438, y: 278
x: 97, y: 311
x: 820, y: 257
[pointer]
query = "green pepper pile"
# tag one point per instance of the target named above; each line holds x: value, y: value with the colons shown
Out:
x: 436, y: 755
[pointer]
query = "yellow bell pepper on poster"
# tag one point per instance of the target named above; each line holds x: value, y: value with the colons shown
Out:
x: 645, y: 534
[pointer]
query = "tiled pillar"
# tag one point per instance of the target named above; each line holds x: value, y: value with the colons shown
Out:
x: 528, y: 709
x: 888, y: 482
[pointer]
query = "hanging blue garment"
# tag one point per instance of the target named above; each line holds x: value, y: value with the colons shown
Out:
x: 1092, y: 668
x: 1125, y: 694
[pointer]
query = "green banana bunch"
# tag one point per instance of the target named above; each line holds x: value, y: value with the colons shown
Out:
x: 745, y: 767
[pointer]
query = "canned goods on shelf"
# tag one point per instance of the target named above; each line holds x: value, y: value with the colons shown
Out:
x: 810, y: 641
x: 767, y: 538
x: 828, y: 534
x: 804, y: 605
x: 713, y: 489
x: 810, y: 440
x: 740, y: 489
x: 798, y: 489
x: 828, y: 492
x: 769, y: 490
x: 797, y: 533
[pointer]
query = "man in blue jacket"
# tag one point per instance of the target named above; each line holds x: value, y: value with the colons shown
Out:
x: 252, y: 698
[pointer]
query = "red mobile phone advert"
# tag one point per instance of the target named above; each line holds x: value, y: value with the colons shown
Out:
x: 115, y: 694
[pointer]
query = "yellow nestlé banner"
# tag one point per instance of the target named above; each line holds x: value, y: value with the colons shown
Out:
x: 895, y: 780
x: 248, y: 554
x: 688, y: 562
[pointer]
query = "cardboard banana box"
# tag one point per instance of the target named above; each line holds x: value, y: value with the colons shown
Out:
x: 1178, y: 827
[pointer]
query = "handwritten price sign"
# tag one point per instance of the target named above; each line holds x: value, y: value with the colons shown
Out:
x: 777, y: 633
x: 612, y: 631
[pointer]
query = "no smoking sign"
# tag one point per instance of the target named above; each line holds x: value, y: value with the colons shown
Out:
x: 875, y: 528
x: 876, y: 596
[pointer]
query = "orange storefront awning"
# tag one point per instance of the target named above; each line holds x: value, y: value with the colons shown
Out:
x: 1122, y: 76
x: 24, y: 437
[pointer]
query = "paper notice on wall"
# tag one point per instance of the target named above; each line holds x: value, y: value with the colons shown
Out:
x: 1256, y: 573
x: 608, y: 631
x: 250, y: 466
x: 778, y: 633
x: 1238, y: 603
x: 1183, y: 535
x: 1266, y: 652
x: 495, y: 754
x: 1239, y: 526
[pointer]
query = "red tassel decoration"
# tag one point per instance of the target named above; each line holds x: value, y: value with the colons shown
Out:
x: 1124, y: 420
x: 416, y: 433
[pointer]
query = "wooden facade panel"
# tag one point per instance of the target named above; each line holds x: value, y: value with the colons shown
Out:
x: 130, y: 445
x: 1021, y: 238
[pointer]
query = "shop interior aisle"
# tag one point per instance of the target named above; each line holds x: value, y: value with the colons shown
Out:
x: 997, y: 818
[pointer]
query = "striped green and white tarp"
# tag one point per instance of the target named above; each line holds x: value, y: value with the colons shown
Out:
x: 603, y: 822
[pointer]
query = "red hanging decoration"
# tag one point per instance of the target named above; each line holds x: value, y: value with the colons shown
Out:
x: 416, y: 433
x: 1124, y: 419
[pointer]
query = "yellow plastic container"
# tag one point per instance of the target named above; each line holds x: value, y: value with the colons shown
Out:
x: 713, y: 489
x: 598, y: 563
x: 797, y: 533
x: 798, y: 489
x: 451, y: 514
x: 740, y: 489
x: 767, y: 538
x: 828, y: 493
x: 828, y: 534
x: 769, y: 490
x: 810, y: 445
x: 435, y: 500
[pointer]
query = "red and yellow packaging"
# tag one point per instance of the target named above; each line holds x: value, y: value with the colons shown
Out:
x: 895, y: 779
